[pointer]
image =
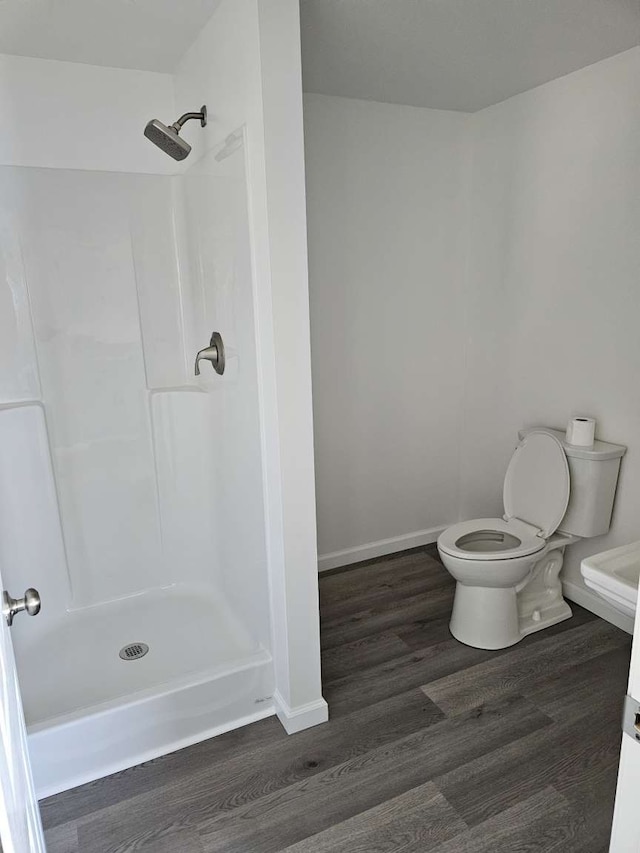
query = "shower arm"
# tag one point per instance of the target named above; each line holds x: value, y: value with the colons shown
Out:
x: 201, y: 116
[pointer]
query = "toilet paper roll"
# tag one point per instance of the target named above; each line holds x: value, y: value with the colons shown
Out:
x: 581, y: 431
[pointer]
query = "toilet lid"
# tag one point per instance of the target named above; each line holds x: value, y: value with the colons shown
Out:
x: 537, y: 485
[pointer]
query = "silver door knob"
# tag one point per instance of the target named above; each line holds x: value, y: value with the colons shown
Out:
x: 10, y: 606
x: 213, y: 353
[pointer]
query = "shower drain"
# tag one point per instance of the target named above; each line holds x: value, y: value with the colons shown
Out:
x: 134, y: 651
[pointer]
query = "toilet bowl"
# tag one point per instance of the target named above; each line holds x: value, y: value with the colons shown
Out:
x: 487, y: 612
x: 507, y: 569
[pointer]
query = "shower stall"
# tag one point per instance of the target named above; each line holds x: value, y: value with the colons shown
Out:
x: 165, y: 518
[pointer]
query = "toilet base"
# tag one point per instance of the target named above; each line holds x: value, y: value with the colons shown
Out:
x: 490, y: 618
x: 557, y: 612
x: 498, y: 617
x: 485, y: 617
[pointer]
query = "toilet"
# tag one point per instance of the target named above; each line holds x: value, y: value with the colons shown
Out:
x: 507, y: 569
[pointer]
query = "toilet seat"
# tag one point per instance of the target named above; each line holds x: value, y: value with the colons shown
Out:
x: 537, y: 484
x: 526, y: 541
x: 536, y: 496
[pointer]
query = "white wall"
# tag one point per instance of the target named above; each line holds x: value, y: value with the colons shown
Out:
x: 386, y: 192
x: 554, y: 292
x: 427, y: 362
x: 245, y: 65
x: 65, y: 115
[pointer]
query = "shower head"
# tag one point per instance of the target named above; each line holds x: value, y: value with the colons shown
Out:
x: 168, y: 139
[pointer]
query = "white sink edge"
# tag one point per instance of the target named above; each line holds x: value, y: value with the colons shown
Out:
x: 614, y: 556
x: 622, y: 586
x: 601, y: 573
x: 622, y: 604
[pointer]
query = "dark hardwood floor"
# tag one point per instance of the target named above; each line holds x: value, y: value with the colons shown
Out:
x: 431, y: 746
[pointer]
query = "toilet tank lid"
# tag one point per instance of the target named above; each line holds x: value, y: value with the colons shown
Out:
x: 600, y: 450
x: 537, y: 483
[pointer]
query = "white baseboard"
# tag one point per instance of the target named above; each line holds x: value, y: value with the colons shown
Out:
x: 302, y: 717
x: 337, y: 559
x: 590, y: 601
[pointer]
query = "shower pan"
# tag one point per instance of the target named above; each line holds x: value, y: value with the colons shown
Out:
x: 131, y: 490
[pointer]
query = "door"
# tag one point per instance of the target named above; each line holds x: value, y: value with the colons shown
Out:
x: 20, y: 826
x: 625, y: 834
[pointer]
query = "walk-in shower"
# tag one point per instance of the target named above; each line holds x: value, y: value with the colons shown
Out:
x: 168, y: 138
x: 131, y: 491
x: 161, y: 507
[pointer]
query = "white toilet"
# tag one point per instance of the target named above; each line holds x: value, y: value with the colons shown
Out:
x: 507, y: 568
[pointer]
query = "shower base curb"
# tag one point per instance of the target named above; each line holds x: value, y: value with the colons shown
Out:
x: 110, y: 740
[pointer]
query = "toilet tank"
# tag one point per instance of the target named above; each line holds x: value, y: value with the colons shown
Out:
x: 594, y: 477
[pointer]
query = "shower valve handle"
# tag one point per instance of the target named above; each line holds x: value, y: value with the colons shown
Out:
x: 213, y: 353
x: 11, y: 606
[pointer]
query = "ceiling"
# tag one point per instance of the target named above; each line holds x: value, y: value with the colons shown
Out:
x: 456, y: 54
x: 148, y: 34
x: 448, y: 54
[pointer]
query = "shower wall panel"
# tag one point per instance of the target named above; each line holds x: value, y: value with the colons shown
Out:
x: 18, y: 365
x: 76, y: 242
x: 91, y: 321
x: 110, y: 284
x: 217, y: 243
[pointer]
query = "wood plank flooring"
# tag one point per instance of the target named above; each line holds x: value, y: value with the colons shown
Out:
x: 431, y: 746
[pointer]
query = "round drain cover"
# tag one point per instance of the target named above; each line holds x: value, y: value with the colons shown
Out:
x: 134, y: 651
